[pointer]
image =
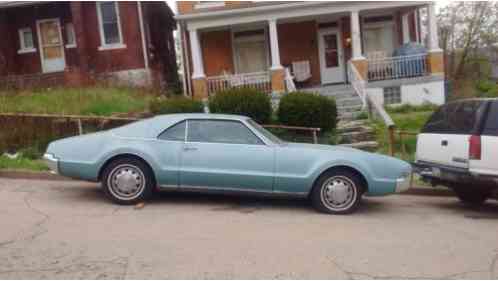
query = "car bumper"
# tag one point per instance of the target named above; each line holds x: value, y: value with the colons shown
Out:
x: 403, y: 184
x: 432, y: 171
x: 52, y: 162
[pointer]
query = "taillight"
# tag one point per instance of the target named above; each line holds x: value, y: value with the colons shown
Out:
x: 475, y: 148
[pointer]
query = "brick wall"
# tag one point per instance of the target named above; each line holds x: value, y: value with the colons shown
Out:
x: 298, y: 42
x: 217, y: 52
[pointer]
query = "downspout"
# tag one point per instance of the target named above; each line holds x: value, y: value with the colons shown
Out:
x: 144, y: 44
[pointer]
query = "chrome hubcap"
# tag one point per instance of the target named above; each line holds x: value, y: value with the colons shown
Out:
x: 338, y: 193
x: 126, y: 182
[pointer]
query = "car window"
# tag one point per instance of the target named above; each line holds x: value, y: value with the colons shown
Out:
x: 456, y: 118
x: 265, y: 132
x: 174, y: 133
x: 220, y: 131
x: 491, y: 125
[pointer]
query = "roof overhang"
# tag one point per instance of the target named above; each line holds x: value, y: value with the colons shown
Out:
x: 218, y: 18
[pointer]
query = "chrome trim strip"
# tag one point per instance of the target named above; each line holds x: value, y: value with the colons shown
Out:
x: 230, y: 189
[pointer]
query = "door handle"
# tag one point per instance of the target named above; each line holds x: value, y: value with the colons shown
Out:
x: 444, y: 143
x: 189, y: 148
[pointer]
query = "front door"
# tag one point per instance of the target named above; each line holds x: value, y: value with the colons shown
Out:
x: 225, y: 155
x: 331, y: 62
x: 51, y: 45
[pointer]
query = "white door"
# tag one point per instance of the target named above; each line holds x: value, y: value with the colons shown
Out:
x: 51, y: 45
x: 331, y: 58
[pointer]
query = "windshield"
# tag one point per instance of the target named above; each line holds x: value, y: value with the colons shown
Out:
x: 265, y: 132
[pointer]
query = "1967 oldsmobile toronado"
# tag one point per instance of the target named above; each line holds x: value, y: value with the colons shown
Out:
x: 223, y: 153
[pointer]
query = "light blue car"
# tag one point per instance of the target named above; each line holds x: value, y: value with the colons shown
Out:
x: 223, y: 153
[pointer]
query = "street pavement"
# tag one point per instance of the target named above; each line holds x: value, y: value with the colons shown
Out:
x: 68, y: 230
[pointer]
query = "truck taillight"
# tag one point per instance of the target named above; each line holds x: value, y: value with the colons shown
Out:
x: 475, y: 147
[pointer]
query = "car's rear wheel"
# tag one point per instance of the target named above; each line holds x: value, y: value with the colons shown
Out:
x: 127, y: 181
x: 337, y: 192
x: 470, y: 195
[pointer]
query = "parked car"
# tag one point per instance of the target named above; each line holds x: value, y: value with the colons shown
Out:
x: 458, y: 148
x: 223, y: 153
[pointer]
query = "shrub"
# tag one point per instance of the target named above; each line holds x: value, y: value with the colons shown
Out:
x: 308, y: 110
x: 175, y: 105
x: 242, y: 101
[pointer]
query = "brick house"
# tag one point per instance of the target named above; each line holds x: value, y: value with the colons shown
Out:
x: 54, y: 43
x: 322, y: 46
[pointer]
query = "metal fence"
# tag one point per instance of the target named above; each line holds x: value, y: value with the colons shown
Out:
x: 397, y: 67
x: 257, y: 80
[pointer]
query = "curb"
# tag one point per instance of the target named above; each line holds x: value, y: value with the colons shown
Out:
x: 26, y: 175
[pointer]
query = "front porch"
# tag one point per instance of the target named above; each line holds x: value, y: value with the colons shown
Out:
x: 311, y: 48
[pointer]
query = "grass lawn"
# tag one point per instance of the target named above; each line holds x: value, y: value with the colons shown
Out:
x: 22, y: 163
x: 405, y: 121
x: 85, y: 101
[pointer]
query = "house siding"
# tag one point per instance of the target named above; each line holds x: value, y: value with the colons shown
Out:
x: 130, y: 57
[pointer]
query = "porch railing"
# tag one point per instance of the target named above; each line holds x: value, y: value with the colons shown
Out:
x: 257, y: 80
x: 357, y: 82
x: 397, y: 67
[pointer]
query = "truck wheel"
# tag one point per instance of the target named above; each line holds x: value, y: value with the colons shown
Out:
x: 337, y: 192
x: 471, y: 196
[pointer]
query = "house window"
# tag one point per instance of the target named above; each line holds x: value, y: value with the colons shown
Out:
x: 392, y: 95
x: 378, y: 35
x: 250, y: 51
x: 70, y: 36
x: 109, y: 26
x: 26, y: 41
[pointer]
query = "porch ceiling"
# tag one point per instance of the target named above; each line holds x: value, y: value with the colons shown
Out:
x: 285, y: 12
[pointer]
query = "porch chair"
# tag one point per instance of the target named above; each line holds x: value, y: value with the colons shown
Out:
x: 301, y: 70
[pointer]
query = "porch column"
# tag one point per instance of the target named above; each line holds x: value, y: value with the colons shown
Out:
x: 405, y: 28
x: 358, y: 60
x: 198, y: 77
x: 276, y: 71
x: 435, y: 62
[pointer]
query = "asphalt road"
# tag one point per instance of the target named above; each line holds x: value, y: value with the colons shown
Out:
x: 57, y: 229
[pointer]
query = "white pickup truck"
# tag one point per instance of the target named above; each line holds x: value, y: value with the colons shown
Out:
x: 458, y: 148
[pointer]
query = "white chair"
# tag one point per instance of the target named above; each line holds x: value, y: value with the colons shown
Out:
x: 301, y: 70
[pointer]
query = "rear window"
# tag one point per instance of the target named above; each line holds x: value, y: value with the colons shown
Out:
x: 491, y: 125
x: 456, y: 118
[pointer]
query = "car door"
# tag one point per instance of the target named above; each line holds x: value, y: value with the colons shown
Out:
x: 445, y: 137
x: 227, y: 155
x: 168, y: 149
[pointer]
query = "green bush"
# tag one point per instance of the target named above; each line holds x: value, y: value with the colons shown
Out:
x: 407, y: 108
x: 242, y: 101
x: 308, y: 110
x: 175, y: 105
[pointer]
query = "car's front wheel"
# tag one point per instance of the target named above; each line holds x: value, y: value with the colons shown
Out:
x: 337, y: 192
x: 471, y: 196
x: 127, y: 181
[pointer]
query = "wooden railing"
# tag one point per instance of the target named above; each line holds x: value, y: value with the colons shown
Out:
x: 397, y: 67
x: 257, y: 80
